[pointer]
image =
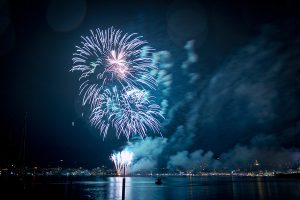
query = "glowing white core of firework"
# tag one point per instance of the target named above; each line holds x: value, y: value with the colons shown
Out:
x: 121, y: 160
x: 126, y: 157
x: 118, y: 64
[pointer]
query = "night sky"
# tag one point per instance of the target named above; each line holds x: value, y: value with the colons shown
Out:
x: 234, y: 79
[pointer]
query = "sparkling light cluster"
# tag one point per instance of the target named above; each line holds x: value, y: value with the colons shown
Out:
x: 116, y: 83
x: 121, y: 161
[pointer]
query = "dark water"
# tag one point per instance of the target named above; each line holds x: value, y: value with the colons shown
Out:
x: 144, y: 188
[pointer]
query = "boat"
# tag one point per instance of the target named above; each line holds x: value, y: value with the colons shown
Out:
x: 158, y: 181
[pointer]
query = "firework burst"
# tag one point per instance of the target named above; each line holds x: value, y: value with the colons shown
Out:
x: 121, y: 160
x: 116, y: 81
x: 108, y: 58
x: 131, y: 112
x: 137, y: 114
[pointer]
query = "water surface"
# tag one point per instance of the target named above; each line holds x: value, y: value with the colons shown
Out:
x: 144, y: 188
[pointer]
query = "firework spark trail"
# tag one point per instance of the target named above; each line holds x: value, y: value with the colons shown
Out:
x: 108, y: 56
x: 130, y: 113
x: 137, y: 113
x: 116, y: 158
x: 122, y: 160
x: 115, y: 82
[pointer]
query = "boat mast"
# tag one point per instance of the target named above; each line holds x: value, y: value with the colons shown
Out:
x: 24, y: 143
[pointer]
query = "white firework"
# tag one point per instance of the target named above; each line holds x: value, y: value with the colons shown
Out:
x: 108, y: 58
x: 115, y: 80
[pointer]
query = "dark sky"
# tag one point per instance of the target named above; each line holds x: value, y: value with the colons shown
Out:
x: 246, y: 93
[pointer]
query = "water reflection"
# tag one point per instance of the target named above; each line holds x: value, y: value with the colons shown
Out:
x: 234, y: 188
x: 261, y: 188
x: 190, y: 187
x: 114, y: 188
x: 144, y: 188
x: 108, y: 188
